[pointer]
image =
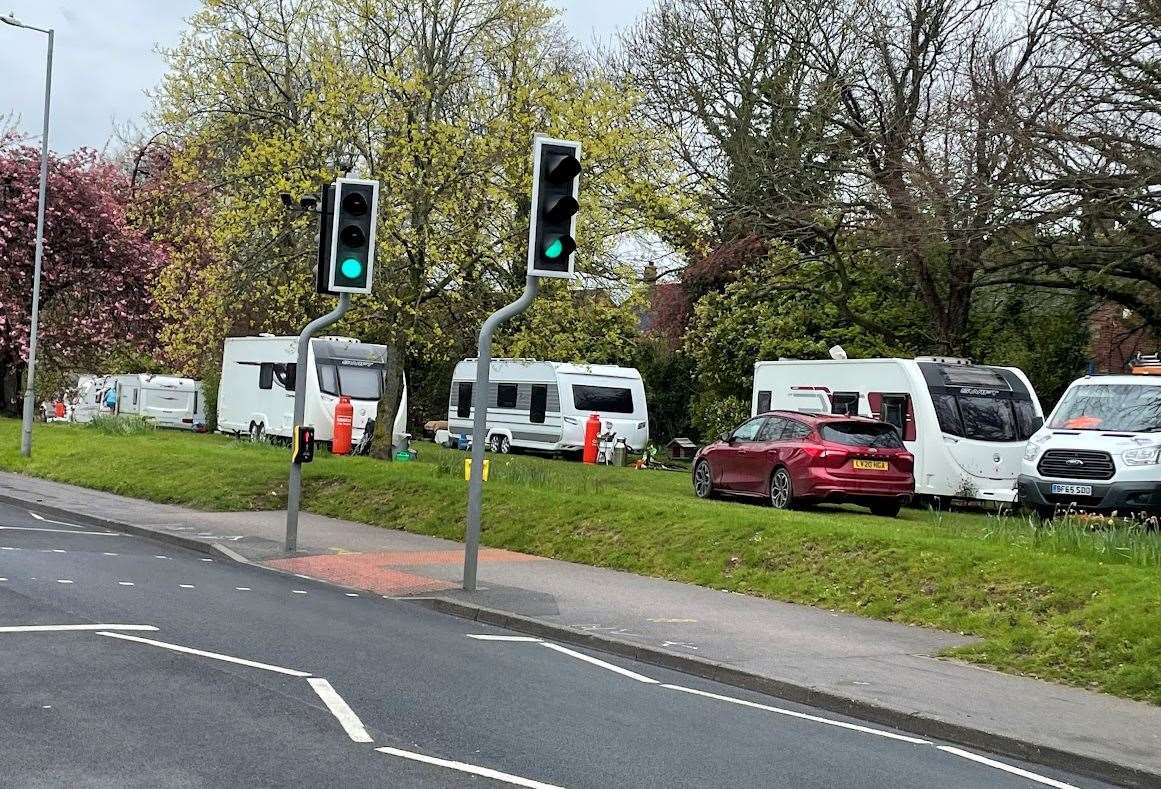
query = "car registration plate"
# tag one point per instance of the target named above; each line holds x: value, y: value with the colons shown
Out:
x: 1071, y: 490
x: 869, y: 465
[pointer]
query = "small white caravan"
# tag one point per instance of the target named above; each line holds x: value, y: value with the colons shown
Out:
x: 966, y: 424
x: 544, y: 405
x: 256, y: 393
x: 164, y: 400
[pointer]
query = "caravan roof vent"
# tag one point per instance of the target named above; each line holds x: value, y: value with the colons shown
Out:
x: 943, y: 359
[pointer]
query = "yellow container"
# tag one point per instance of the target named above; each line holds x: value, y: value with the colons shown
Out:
x: 468, y: 468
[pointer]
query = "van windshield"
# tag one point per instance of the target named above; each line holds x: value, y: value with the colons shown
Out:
x: 356, y: 382
x: 607, y: 399
x: 1129, y: 408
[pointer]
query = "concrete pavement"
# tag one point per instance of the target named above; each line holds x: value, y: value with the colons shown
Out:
x: 879, y: 671
x: 129, y: 662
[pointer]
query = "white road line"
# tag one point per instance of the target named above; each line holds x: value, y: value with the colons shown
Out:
x: 482, y: 637
x: 242, y: 588
x: 298, y: 591
x: 472, y: 769
x: 1006, y: 767
x: 340, y: 709
x: 50, y: 520
x: 57, y: 550
x: 8, y: 548
x: 106, y: 553
x: 351, y: 594
x: 62, y: 531
x: 63, y: 581
x: 213, y: 655
x: 802, y: 715
x: 124, y: 583
x: 185, y: 586
x: 159, y: 556
x: 63, y: 628
x: 3, y: 579
x: 581, y: 656
x: 207, y: 560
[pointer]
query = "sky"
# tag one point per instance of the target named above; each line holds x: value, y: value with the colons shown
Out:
x: 105, y: 58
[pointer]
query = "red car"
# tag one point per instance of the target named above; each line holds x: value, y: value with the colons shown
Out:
x: 793, y: 458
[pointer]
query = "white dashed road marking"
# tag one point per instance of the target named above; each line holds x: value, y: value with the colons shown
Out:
x: 66, y: 628
x: 213, y: 655
x: 242, y: 588
x: 482, y: 637
x: 484, y: 772
x: 340, y: 709
x: 1040, y: 779
x: 351, y: 594
x: 185, y: 586
x: 624, y: 672
x: 62, y: 531
x: 298, y: 591
x: 124, y: 583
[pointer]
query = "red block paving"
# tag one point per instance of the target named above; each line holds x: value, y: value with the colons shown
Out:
x: 377, y: 571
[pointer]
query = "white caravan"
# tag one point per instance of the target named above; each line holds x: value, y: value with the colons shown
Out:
x: 88, y: 400
x: 544, y: 405
x: 256, y: 393
x: 966, y: 424
x: 164, y: 400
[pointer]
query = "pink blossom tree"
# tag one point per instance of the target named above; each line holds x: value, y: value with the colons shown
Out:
x: 97, y: 270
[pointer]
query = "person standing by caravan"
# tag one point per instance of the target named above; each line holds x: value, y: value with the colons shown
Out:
x: 110, y: 398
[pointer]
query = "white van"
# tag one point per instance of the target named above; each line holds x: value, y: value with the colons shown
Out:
x: 1100, y: 450
x: 544, y: 405
x: 164, y: 400
x: 256, y: 393
x: 966, y: 424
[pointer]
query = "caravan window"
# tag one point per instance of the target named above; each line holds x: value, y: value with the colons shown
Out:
x: 893, y: 411
x: 948, y: 413
x: 360, y: 383
x: 539, y: 403
x: 266, y: 376
x: 987, y: 418
x: 846, y: 403
x: 609, y: 399
x: 763, y: 401
x: 506, y: 396
x: 284, y: 374
x: 328, y: 379
x: 464, y: 404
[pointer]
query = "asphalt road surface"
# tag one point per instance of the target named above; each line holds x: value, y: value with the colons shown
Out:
x: 185, y: 670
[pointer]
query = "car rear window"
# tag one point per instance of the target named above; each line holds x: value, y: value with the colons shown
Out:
x: 862, y: 434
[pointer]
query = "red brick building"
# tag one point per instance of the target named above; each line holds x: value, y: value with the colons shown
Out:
x: 1115, y: 337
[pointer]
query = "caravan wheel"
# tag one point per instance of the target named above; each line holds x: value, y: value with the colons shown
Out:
x: 500, y: 443
x: 257, y: 432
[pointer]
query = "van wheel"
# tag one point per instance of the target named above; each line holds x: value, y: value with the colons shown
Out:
x: 885, y: 509
x: 257, y: 432
x: 781, y: 490
x: 703, y: 480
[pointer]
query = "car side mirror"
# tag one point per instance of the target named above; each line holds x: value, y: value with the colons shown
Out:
x: 727, y: 436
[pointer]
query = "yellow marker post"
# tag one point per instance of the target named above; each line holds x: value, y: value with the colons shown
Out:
x: 468, y: 468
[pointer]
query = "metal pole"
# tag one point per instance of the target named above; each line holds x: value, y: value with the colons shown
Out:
x: 30, y: 376
x: 480, y: 428
x: 294, y: 492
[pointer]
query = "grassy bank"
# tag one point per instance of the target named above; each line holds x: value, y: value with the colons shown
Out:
x: 1065, y: 603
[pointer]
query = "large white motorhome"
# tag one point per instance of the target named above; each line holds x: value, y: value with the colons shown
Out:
x: 544, y: 405
x: 256, y: 392
x: 966, y: 424
x: 164, y: 400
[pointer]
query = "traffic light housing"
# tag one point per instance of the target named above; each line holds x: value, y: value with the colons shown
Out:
x: 322, y: 271
x: 302, y: 445
x: 552, y: 227
x: 351, y: 256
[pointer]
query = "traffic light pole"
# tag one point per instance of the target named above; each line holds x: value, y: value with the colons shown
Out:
x: 480, y: 427
x: 294, y: 490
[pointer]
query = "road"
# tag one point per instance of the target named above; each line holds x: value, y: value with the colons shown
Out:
x: 181, y: 669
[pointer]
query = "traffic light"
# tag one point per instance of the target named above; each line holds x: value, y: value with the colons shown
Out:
x: 302, y: 446
x: 322, y: 271
x: 555, y: 184
x: 352, y: 242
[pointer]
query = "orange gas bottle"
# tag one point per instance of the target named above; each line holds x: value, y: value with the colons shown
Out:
x: 344, y: 415
x: 592, y: 431
x: 58, y: 409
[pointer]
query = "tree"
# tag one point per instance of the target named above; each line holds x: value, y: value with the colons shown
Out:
x: 96, y: 273
x: 586, y: 326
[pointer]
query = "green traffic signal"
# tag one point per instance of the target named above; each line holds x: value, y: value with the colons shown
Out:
x: 554, y: 249
x: 351, y: 268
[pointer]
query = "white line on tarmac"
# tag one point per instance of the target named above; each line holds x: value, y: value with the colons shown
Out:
x: 185, y: 586
x: 63, y: 581
x: 64, y: 628
x: 581, y: 656
x: 482, y: 637
x: 1006, y: 767
x: 213, y: 655
x: 472, y: 769
x: 62, y: 531
x: 50, y: 520
x: 124, y: 583
x: 340, y: 709
x: 801, y: 715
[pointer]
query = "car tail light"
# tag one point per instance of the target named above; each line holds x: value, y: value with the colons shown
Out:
x: 905, y: 461
x: 829, y: 456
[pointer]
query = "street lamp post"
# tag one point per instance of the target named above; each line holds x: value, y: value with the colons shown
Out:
x: 30, y: 376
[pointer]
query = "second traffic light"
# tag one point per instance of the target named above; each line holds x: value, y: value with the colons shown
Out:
x: 555, y: 185
x: 351, y: 260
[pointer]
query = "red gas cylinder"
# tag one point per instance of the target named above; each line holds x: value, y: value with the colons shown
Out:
x: 58, y: 409
x: 344, y: 415
x: 592, y: 430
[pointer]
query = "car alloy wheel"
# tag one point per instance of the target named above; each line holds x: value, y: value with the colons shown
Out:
x: 703, y: 484
x: 781, y: 490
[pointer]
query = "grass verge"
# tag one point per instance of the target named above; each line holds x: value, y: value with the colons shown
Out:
x: 1066, y: 603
